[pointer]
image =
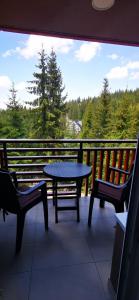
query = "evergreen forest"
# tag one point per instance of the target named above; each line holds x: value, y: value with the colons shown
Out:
x: 49, y: 115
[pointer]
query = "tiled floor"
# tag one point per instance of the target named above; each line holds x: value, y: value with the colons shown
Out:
x: 68, y: 262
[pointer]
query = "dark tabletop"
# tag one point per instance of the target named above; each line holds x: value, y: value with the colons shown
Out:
x: 67, y: 170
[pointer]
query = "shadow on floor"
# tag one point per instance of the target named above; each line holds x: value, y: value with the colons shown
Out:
x: 69, y: 262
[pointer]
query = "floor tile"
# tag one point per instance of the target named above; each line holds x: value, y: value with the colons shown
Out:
x: 8, y: 234
x: 55, y: 252
x: 70, y: 261
x: 80, y: 282
x: 100, y: 238
x: 11, y: 263
x: 104, y: 269
x: 15, y: 287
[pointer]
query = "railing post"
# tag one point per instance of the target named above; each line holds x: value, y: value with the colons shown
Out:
x: 114, y: 157
x: 126, y: 161
x: 94, y: 163
x: 5, y: 160
x: 101, y: 164
x: 107, y: 165
x: 87, y: 179
x: 120, y: 160
x: 80, y: 153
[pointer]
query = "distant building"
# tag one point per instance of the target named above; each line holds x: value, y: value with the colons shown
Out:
x: 74, y: 126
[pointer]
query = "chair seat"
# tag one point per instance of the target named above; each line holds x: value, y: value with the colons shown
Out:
x: 28, y: 200
x: 109, y: 192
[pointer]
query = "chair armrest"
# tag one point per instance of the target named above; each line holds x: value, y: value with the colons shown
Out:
x: 107, y: 189
x: 119, y: 170
x: 30, y: 190
x: 105, y: 183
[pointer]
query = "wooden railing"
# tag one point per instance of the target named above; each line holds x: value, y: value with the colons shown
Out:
x: 28, y: 157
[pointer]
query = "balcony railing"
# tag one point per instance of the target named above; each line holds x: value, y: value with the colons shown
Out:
x: 28, y: 157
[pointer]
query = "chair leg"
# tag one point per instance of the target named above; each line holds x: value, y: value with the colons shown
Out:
x: 102, y: 203
x: 19, y: 230
x: 45, y: 211
x: 119, y: 208
x: 55, y: 200
x: 45, y: 206
x: 78, y: 209
x: 79, y: 185
x: 90, y: 210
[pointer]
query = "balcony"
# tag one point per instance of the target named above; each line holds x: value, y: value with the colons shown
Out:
x: 70, y: 261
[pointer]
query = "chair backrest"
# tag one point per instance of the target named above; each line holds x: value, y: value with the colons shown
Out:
x: 8, y: 193
x: 127, y: 185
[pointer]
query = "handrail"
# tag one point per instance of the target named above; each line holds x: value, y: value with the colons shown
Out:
x: 68, y: 141
x: 28, y: 156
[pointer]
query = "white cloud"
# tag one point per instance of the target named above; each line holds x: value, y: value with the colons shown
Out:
x: 34, y: 43
x: 21, y: 86
x: 113, y: 56
x: 133, y: 65
x: 5, y: 82
x: 11, y: 52
x: 87, y: 51
x: 124, y: 71
x: 134, y: 75
x: 117, y: 73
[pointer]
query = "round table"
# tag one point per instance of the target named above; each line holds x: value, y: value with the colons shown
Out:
x: 67, y: 171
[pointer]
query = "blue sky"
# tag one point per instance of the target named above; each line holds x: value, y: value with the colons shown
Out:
x: 83, y: 64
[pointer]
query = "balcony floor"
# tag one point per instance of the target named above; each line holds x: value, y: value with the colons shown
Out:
x: 67, y: 263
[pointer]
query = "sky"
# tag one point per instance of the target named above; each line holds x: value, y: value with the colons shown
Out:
x: 83, y: 65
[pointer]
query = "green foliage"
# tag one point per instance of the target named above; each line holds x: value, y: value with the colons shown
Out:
x: 48, y: 86
x: 109, y: 116
x: 13, y: 121
x: 87, y: 122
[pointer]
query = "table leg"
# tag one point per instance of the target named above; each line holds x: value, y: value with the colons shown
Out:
x: 55, y: 199
x: 79, y: 185
x: 53, y: 193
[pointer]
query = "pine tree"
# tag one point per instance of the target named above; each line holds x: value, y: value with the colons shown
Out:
x: 39, y: 84
x: 13, y: 103
x: 87, y: 125
x: 104, y: 109
x: 120, y: 118
x: 38, y: 87
x: 48, y: 86
x: 55, y: 98
x: 15, y: 126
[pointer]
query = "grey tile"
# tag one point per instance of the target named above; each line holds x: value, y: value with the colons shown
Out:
x: 101, y: 250
x: 8, y: 234
x: 62, y: 259
x: 63, y: 230
x: 107, y: 211
x: 55, y: 251
x: 10, y: 219
x: 11, y: 263
x: 77, y: 282
x: 63, y: 216
x: 100, y: 238
x: 15, y: 287
x: 104, y: 269
x: 32, y: 214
